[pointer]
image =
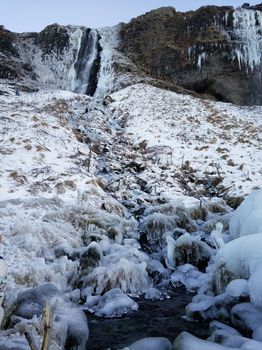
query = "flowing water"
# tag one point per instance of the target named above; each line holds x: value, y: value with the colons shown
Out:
x: 164, y: 318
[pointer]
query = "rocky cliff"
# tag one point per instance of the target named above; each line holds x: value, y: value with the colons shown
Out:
x: 214, y: 50
x: 58, y: 56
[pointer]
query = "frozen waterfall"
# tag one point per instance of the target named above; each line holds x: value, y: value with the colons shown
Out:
x: 247, y: 29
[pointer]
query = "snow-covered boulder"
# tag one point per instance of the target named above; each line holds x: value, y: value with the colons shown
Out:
x: 247, y: 219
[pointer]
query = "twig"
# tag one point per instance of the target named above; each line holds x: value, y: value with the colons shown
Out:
x: 47, y: 327
x: 31, y: 340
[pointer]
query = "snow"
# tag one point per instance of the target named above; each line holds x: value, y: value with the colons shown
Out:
x: 218, y: 140
x: 247, y: 218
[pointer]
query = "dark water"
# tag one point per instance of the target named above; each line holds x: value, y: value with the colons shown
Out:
x: 153, y: 319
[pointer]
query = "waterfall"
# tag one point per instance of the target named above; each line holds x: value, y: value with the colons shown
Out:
x: 247, y: 30
x: 108, y: 42
x: 87, y: 64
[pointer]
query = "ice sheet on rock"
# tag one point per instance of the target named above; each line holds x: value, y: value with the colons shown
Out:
x: 238, y: 288
x: 153, y: 294
x: 152, y: 343
x: 186, y: 341
x: 240, y: 258
x: 247, y: 218
x: 189, y: 276
x: 246, y: 316
x: 186, y: 249
x: 113, y: 303
x: 247, y: 25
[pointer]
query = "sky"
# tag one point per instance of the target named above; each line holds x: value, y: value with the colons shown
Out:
x: 34, y: 15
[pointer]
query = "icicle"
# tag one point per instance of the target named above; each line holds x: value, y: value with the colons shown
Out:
x: 217, y: 235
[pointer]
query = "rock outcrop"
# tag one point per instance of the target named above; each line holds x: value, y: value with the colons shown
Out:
x: 63, y: 57
x: 214, y: 50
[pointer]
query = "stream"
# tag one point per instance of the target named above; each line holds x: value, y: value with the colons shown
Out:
x: 163, y: 318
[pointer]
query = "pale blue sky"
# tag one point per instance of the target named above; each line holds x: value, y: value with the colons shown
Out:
x: 34, y: 15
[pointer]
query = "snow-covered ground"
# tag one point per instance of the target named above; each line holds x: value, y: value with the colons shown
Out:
x: 100, y: 203
x: 211, y: 139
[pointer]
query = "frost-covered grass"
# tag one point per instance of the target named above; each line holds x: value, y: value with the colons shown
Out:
x: 210, y: 139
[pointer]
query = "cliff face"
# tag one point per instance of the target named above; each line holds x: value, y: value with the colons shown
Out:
x: 60, y: 57
x: 214, y: 50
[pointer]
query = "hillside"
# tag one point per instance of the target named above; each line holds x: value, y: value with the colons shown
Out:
x: 121, y: 189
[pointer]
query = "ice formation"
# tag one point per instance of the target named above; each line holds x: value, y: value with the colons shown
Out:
x: 247, y: 218
x: 240, y: 258
x: 189, y: 276
x: 129, y: 277
x: 82, y: 67
x: 113, y: 303
x: 247, y: 29
x: 186, y: 249
x: 152, y: 343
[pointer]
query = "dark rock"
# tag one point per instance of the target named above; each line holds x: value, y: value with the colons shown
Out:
x: 54, y: 38
x: 7, y: 41
x: 193, y: 50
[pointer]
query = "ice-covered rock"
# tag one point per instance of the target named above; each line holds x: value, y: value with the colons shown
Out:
x: 152, y: 343
x: 186, y: 341
x: 153, y: 294
x: 66, y: 315
x: 247, y: 219
x: 240, y: 259
x: 90, y: 258
x: 13, y: 342
x: 238, y: 288
x: 189, y: 276
x: 186, y: 249
x: 113, y: 303
x: 246, y: 316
